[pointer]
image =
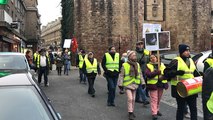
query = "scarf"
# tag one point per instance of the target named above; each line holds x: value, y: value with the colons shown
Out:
x: 133, y: 69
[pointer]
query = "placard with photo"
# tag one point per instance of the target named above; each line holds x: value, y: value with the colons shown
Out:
x: 164, y: 40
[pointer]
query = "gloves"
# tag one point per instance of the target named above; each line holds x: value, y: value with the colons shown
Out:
x: 180, y: 72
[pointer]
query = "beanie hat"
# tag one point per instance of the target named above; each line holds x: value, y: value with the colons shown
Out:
x: 129, y: 54
x: 183, y: 48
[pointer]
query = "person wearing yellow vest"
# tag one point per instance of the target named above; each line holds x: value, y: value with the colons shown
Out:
x: 79, y: 61
x: 207, y: 94
x: 43, y: 63
x: 208, y: 62
x: 142, y: 58
x: 182, y: 68
x: 91, y: 69
x: 156, y: 82
x: 111, y: 65
x: 130, y: 78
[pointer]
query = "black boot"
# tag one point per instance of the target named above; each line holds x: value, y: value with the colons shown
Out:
x: 131, y: 116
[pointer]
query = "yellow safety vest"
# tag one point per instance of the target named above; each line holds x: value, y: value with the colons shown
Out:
x: 188, y: 71
x: 210, y: 103
x: 81, y: 61
x: 209, y: 61
x: 146, y: 52
x: 129, y: 79
x: 35, y: 56
x: 91, y: 67
x: 155, y: 79
x: 38, y: 61
x: 112, y: 64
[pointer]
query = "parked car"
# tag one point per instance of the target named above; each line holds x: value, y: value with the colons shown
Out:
x: 22, y: 99
x: 168, y: 56
x: 16, y: 62
x: 199, y: 59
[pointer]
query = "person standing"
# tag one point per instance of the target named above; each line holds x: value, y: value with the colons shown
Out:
x: 129, y: 78
x: 111, y: 65
x: 208, y: 62
x: 43, y: 63
x: 142, y: 59
x: 91, y: 68
x: 59, y: 63
x: 29, y: 59
x: 182, y: 68
x: 156, y: 82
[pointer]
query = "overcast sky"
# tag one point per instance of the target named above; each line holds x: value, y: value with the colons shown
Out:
x: 49, y: 10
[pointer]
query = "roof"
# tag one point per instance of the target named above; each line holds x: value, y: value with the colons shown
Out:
x: 14, y: 79
x: 11, y: 53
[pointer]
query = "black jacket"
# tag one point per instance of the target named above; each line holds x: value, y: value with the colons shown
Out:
x: 108, y: 72
x: 171, y: 72
x: 90, y: 74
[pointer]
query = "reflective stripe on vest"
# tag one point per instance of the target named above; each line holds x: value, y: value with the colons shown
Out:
x: 81, y: 61
x: 210, y: 62
x: 129, y: 79
x: 209, y: 103
x: 38, y: 61
x: 91, y: 67
x: 188, y: 71
x: 112, y: 64
x: 155, y: 79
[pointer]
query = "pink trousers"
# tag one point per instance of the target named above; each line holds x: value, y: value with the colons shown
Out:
x: 155, y: 96
x: 130, y: 99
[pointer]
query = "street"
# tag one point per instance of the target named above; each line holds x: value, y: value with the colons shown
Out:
x: 71, y: 100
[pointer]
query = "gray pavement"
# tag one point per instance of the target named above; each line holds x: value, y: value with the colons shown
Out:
x: 71, y: 100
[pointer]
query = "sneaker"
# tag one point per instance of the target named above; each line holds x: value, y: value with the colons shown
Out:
x: 47, y: 85
x: 159, y: 114
x: 131, y: 116
x: 93, y: 95
x: 139, y: 101
x: 187, y: 115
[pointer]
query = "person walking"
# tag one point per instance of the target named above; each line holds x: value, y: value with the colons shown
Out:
x: 79, y: 61
x: 59, y: 63
x: 91, y: 68
x: 66, y: 59
x: 129, y: 78
x: 43, y: 63
x: 111, y: 65
x: 142, y: 59
x: 156, y: 82
x: 181, y: 68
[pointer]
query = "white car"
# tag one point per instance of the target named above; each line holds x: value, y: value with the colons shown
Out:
x: 199, y: 59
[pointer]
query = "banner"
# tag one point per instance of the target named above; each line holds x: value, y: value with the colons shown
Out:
x: 67, y: 43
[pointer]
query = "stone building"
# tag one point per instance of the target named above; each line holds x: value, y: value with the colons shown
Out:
x: 18, y: 25
x: 33, y: 24
x: 102, y: 23
x: 51, y: 34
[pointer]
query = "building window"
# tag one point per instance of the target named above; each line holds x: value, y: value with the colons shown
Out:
x: 145, y: 9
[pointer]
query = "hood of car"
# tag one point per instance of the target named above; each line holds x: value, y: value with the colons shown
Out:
x: 7, y: 78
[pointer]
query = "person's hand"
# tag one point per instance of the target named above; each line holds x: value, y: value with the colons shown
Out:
x: 180, y: 72
x: 158, y: 72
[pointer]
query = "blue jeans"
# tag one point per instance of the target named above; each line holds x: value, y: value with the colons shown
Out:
x: 66, y: 69
x: 140, y: 94
x: 111, y: 84
x: 82, y: 76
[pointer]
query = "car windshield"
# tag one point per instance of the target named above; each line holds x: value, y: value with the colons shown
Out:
x: 12, y: 62
x: 22, y: 103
